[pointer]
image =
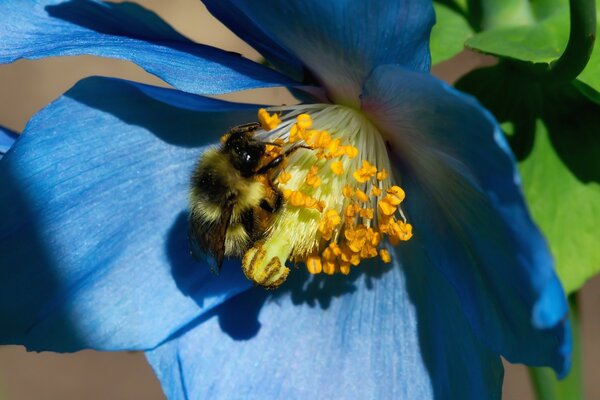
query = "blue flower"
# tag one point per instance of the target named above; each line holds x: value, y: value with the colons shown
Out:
x: 93, y: 220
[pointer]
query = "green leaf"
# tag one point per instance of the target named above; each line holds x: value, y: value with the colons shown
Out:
x: 501, y: 13
x: 448, y: 34
x: 541, y: 41
x: 553, y: 131
x: 533, y: 32
x: 591, y: 74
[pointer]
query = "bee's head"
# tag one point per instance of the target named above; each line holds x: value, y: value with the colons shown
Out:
x: 244, y: 152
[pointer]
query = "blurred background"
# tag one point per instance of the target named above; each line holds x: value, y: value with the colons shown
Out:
x: 27, y: 86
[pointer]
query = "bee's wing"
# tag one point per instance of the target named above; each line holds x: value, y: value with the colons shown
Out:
x: 207, y: 243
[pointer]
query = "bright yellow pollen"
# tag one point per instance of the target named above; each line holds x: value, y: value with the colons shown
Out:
x: 318, y: 139
x: 284, y: 177
x: 348, y: 191
x: 341, y: 220
x: 382, y: 175
x: 365, y: 173
x: 361, y: 196
x: 397, y: 192
x: 314, y: 265
x: 350, y: 151
x: 268, y: 121
x: 312, y: 179
x: 367, y: 213
x: 385, y: 256
x: 375, y: 191
x: 304, y: 121
x: 330, y: 220
x: 386, y: 207
x: 337, y: 167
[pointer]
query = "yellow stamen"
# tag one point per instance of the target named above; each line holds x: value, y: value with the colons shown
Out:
x: 382, y: 175
x: 330, y: 221
x: 364, y: 173
x: 337, y: 167
x: 386, y: 207
x: 348, y: 191
x: 268, y: 121
x: 385, y: 256
x: 304, y: 121
x: 284, y: 177
x: 314, y: 265
x: 351, y: 151
x: 361, y: 196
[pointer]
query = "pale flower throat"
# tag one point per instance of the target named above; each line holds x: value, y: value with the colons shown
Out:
x: 340, y: 201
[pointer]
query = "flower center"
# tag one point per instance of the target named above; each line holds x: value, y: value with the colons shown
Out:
x: 341, y: 204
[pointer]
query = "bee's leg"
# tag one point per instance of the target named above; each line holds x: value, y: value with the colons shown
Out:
x: 279, y: 159
x: 250, y: 127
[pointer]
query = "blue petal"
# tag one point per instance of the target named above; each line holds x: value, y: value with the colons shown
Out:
x: 44, y: 28
x: 252, y: 34
x: 7, y: 139
x: 378, y: 333
x: 464, y: 201
x: 93, y: 222
x: 341, y: 41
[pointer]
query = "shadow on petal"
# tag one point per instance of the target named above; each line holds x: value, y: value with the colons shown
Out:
x: 31, y: 287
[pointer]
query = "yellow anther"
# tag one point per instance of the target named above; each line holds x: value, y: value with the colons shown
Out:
x: 351, y: 210
x: 367, y: 213
x: 304, y: 121
x: 335, y: 249
x: 375, y: 191
x: 268, y: 121
x: 334, y: 149
x: 373, y: 237
x: 381, y: 175
x: 348, y: 191
x: 386, y: 207
x: 284, y: 177
x: 327, y: 225
x: 361, y: 196
x: 345, y: 268
x: 350, y: 151
x: 314, y: 265
x: 295, y: 134
x: 397, y: 192
x: 224, y: 138
x: 364, y: 173
x: 337, y: 167
x: 392, y: 200
x: 318, y: 139
x: 297, y: 199
x: 311, y: 202
x: 312, y: 179
x: 329, y: 267
x: 385, y: 256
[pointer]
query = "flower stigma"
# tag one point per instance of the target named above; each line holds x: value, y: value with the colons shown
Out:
x: 341, y: 203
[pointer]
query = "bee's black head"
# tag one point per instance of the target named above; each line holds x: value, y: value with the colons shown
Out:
x: 244, y: 151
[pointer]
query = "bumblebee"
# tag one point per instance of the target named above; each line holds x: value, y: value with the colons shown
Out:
x: 233, y: 199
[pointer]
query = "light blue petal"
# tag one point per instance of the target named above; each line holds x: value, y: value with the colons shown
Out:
x: 44, y: 28
x: 7, y: 139
x: 246, y: 29
x: 464, y: 201
x: 93, y: 222
x: 341, y: 41
x: 380, y: 333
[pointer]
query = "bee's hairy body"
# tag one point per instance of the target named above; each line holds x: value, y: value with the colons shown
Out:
x: 233, y: 200
x: 217, y: 183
